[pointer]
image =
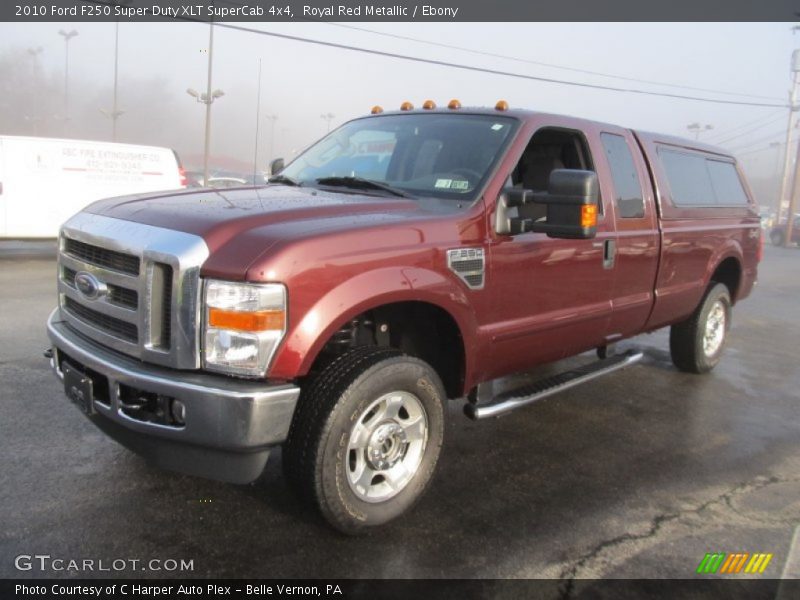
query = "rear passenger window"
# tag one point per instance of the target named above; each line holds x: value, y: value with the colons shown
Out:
x: 696, y: 180
x: 725, y: 180
x: 627, y: 185
x: 688, y: 178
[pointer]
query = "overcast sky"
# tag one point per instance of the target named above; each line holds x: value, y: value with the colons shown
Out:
x: 302, y: 81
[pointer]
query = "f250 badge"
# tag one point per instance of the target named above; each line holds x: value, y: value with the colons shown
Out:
x: 89, y: 286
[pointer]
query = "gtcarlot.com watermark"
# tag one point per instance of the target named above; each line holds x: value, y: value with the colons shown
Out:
x: 45, y: 563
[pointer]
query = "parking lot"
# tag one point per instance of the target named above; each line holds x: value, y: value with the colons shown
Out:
x: 634, y: 475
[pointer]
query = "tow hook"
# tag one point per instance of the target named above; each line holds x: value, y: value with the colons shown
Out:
x: 48, y: 353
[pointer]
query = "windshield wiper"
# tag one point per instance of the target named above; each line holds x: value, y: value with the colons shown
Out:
x: 359, y: 183
x: 284, y: 179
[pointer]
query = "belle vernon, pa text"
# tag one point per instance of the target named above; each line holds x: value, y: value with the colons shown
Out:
x: 127, y: 589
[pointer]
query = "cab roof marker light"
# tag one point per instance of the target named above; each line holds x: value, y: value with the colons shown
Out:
x: 501, y: 105
x: 376, y: 110
x: 406, y: 106
x: 429, y: 105
x: 454, y: 104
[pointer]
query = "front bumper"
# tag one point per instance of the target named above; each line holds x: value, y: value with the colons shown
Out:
x: 230, y: 424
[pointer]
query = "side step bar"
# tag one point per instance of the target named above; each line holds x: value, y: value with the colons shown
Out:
x: 510, y: 400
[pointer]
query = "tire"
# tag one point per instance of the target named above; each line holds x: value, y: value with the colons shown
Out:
x: 776, y: 237
x: 696, y: 344
x: 366, y: 437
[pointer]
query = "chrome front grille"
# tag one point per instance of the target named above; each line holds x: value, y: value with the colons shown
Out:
x: 132, y: 270
x: 102, y: 257
x: 117, y: 327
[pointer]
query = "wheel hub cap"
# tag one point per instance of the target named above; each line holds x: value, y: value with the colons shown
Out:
x: 715, y: 329
x: 386, y: 446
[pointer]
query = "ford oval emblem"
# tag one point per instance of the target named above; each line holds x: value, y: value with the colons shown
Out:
x: 89, y: 286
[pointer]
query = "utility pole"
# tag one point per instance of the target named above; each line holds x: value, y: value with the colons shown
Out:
x: 207, y: 98
x: 67, y: 35
x: 258, y: 118
x: 793, y: 192
x: 328, y: 117
x: 115, y: 113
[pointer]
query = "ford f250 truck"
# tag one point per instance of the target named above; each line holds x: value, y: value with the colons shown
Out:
x: 404, y: 259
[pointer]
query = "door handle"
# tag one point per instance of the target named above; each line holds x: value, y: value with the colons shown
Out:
x: 609, y: 253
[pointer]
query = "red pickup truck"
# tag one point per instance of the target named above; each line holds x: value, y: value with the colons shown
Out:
x: 402, y: 260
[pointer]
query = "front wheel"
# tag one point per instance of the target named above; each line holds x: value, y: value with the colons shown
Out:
x: 366, y: 437
x: 696, y: 344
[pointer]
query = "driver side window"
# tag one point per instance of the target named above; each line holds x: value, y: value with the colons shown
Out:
x: 549, y: 149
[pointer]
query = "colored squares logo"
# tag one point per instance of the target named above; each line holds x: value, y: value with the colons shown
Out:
x: 734, y: 563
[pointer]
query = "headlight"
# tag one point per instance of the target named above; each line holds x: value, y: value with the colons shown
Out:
x: 244, y: 323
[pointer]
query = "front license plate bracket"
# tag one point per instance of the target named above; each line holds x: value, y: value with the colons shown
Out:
x: 78, y: 388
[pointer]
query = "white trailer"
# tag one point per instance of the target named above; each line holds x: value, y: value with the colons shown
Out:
x: 44, y: 181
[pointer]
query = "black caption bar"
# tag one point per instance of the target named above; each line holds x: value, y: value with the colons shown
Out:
x: 399, y: 10
x: 401, y: 589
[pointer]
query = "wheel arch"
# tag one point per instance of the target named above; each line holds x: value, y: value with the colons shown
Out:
x: 728, y: 271
x: 412, y: 297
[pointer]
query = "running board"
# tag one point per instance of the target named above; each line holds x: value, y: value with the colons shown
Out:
x: 528, y: 394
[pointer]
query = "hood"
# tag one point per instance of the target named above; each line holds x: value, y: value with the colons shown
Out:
x: 241, y: 224
x: 221, y: 215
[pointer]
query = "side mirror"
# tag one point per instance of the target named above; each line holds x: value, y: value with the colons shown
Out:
x: 571, y: 201
x: 276, y: 166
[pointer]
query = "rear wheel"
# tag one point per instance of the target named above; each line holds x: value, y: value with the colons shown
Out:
x: 366, y: 437
x: 696, y: 344
x: 776, y: 237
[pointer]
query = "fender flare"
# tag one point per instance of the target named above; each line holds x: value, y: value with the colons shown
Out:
x: 366, y: 291
x: 730, y: 249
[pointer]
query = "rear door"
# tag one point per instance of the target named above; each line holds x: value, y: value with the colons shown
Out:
x: 636, y: 251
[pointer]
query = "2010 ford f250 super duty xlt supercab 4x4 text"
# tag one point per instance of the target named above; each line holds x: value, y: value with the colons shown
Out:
x: 402, y: 260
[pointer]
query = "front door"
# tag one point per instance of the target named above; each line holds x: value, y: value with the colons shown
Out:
x: 549, y: 298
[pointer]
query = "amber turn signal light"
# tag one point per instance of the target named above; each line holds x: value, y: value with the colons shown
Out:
x: 262, y: 320
x: 429, y: 105
x: 501, y: 105
x: 454, y: 104
x: 406, y: 106
x: 589, y: 215
x: 376, y: 110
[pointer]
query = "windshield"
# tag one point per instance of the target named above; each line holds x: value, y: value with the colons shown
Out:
x: 445, y: 156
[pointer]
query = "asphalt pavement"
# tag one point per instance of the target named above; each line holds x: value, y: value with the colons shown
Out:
x: 637, y: 474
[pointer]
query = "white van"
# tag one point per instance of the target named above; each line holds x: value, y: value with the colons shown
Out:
x: 44, y: 181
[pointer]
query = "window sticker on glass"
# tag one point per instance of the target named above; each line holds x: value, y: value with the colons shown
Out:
x: 443, y: 183
x: 497, y: 127
x: 459, y: 184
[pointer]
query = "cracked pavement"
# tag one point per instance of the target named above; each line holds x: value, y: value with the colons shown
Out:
x: 635, y: 475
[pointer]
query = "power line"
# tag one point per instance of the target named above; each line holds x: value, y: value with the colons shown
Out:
x: 780, y: 145
x: 549, y: 65
x: 724, y: 132
x: 442, y: 63
x: 749, y: 131
x: 758, y: 141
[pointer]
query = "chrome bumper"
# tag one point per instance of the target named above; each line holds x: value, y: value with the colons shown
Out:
x: 230, y: 424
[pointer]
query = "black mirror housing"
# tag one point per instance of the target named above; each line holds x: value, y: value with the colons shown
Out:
x: 276, y: 166
x: 569, y: 193
x: 571, y: 201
